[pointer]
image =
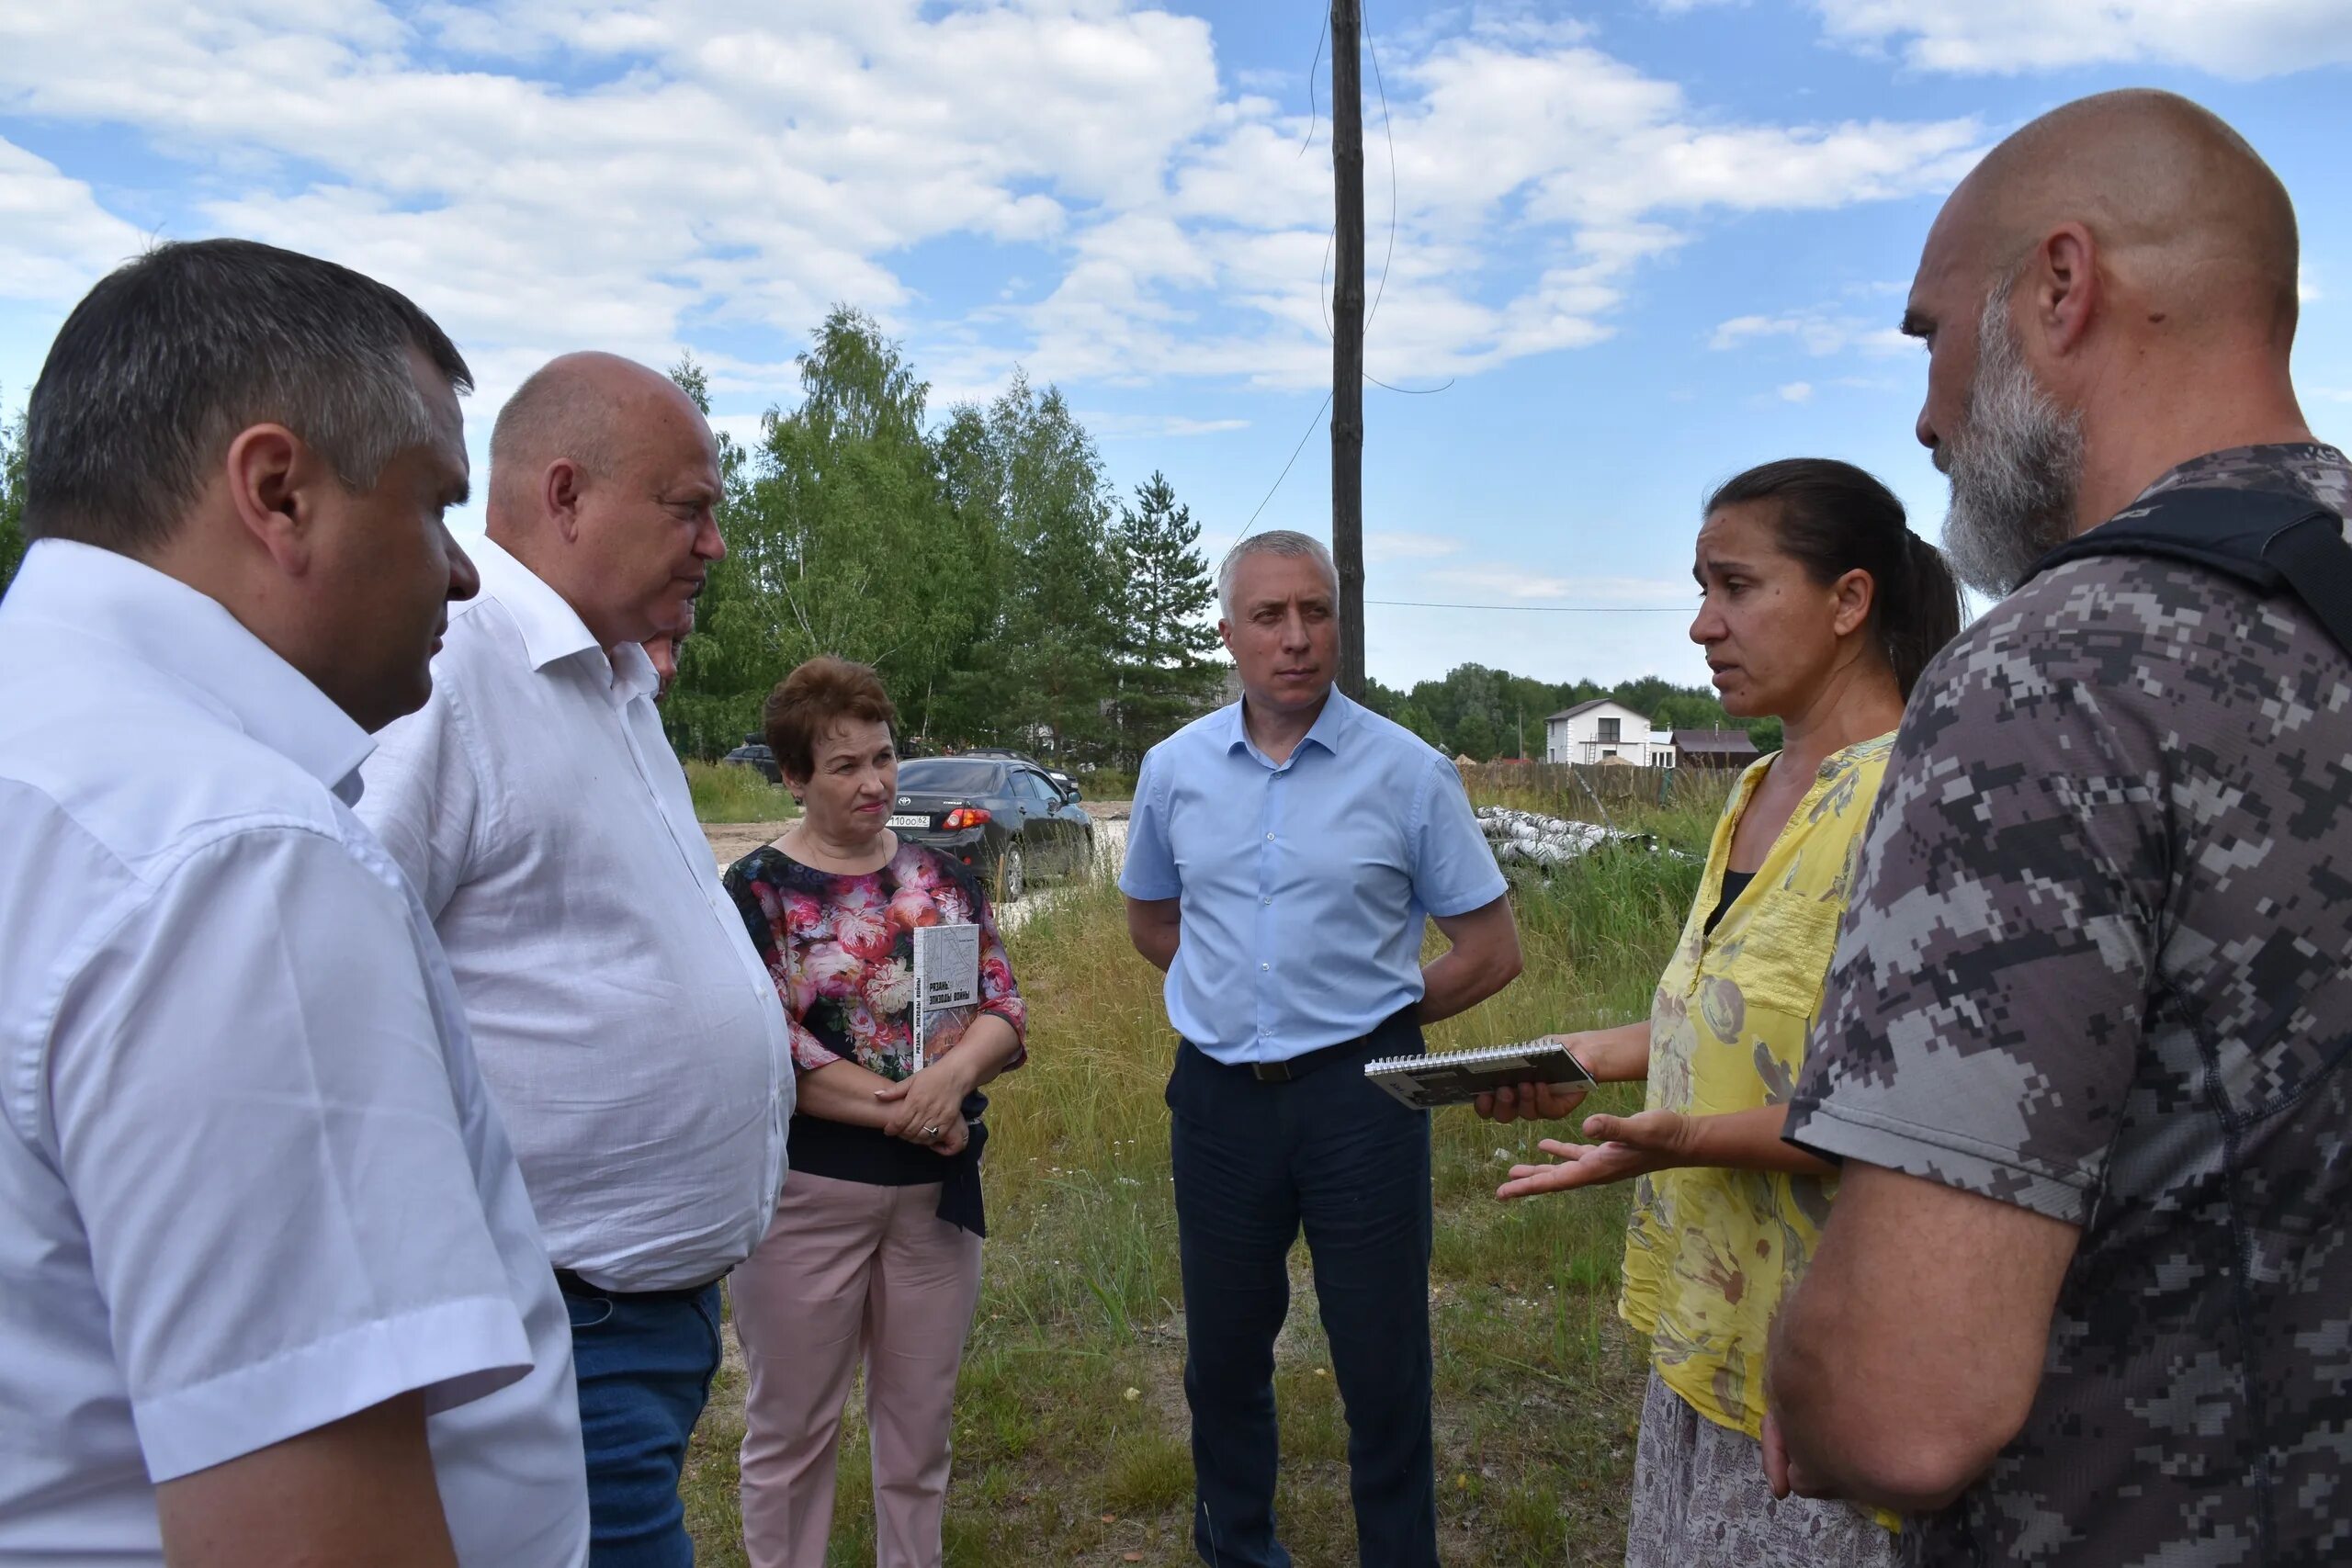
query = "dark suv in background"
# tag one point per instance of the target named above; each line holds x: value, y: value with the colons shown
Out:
x: 1000, y: 816
x: 754, y: 753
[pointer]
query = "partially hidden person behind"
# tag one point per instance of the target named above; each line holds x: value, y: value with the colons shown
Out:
x: 271, y: 1291
x: 873, y: 1259
x: 1819, y: 607
x: 627, y: 1028
x: 1284, y: 858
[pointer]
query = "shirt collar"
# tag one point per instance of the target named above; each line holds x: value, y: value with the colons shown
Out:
x: 190, y: 636
x: 1338, y: 715
x: 551, y: 628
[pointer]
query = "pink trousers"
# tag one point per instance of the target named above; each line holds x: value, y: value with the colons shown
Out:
x: 851, y: 1273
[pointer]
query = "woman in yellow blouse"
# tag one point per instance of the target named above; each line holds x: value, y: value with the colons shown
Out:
x: 1819, y: 606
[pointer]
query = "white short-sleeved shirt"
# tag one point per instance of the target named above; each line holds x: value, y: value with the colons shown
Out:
x: 250, y: 1181
x: 629, y: 1033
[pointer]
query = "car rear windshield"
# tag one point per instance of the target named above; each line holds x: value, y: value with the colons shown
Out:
x: 951, y: 775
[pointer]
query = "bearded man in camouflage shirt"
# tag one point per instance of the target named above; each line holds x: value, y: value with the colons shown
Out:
x: 2086, y: 1296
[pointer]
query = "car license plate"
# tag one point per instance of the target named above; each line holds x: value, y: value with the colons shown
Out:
x: 910, y: 819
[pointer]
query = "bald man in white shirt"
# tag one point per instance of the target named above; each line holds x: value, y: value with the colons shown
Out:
x: 630, y: 1035
x: 271, y: 1292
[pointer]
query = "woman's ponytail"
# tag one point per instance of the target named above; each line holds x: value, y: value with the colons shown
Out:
x: 1916, y: 622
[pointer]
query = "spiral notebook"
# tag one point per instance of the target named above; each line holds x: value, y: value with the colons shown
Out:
x: 1455, y: 1078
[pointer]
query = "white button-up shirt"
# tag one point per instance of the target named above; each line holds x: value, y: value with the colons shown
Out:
x: 250, y: 1179
x: 630, y: 1035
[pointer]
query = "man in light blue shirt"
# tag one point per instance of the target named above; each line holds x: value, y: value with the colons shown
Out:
x: 1283, y: 855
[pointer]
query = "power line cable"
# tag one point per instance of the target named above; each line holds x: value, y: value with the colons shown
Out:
x: 1313, y: 115
x: 1312, y: 426
x: 1330, y: 237
x: 1388, y: 129
x: 1546, y: 609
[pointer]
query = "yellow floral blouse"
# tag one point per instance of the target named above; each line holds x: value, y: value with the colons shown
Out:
x: 1709, y: 1252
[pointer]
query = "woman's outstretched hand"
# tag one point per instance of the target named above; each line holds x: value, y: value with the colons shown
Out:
x: 1621, y: 1147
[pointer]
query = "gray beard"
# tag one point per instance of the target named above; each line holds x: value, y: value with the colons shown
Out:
x: 2015, y: 465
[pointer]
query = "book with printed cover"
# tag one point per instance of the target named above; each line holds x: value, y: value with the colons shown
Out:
x: 1456, y: 1077
x: 947, y: 976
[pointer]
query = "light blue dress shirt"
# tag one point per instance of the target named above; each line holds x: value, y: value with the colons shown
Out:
x: 1304, y: 886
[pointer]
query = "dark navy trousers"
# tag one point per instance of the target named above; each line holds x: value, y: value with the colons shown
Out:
x: 1255, y: 1164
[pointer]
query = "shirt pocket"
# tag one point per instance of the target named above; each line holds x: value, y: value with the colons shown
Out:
x: 1784, y: 950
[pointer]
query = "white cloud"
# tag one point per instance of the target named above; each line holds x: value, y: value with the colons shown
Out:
x: 54, y: 237
x: 1794, y: 392
x: 1116, y: 426
x: 2245, y: 39
x: 1388, y: 544
x: 730, y: 167
x: 1819, y: 332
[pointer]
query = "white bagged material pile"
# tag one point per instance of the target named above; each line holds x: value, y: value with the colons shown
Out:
x: 1543, y: 841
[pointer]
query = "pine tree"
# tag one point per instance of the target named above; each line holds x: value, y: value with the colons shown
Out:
x: 1168, y: 672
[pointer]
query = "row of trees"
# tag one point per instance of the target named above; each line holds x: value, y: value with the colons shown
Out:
x: 1485, y: 714
x: 982, y: 565
x: 985, y: 566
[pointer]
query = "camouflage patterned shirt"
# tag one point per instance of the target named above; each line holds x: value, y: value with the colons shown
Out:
x: 2099, y: 965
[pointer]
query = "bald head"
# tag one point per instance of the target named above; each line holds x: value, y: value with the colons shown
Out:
x: 586, y: 408
x: 2188, y: 218
x: 2110, y: 293
x: 605, y: 482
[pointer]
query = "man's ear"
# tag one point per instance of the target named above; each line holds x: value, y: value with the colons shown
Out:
x: 560, y: 488
x: 272, y: 476
x: 2067, y: 293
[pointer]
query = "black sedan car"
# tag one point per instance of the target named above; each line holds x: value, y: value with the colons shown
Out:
x: 754, y: 754
x: 1068, y: 785
x: 1004, y: 819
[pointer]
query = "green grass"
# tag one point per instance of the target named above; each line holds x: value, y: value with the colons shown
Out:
x: 1070, y: 1429
x: 1108, y: 784
x: 729, y: 792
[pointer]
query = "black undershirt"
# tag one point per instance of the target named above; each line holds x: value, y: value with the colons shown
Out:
x: 1735, y: 884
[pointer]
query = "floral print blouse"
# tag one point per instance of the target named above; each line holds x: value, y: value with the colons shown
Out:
x: 841, y: 950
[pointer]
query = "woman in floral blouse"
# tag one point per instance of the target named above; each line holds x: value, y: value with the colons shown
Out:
x: 875, y: 1253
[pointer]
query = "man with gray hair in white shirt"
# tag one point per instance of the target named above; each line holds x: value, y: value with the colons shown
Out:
x: 630, y: 1035
x: 270, y: 1289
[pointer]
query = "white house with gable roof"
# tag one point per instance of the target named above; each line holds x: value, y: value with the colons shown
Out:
x: 1604, y: 731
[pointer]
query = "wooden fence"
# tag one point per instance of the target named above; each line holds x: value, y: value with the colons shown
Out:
x: 1661, y: 786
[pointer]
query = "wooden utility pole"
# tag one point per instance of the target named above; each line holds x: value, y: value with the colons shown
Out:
x: 1346, y: 339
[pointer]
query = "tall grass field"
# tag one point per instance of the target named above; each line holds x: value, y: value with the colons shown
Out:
x: 729, y: 792
x: 1070, y: 1427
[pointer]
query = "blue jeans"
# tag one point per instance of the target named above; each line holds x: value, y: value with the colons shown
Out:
x: 1255, y: 1163
x: 644, y: 1364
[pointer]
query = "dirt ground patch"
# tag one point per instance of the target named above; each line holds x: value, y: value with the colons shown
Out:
x: 731, y: 841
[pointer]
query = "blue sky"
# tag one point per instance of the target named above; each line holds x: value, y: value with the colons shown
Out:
x: 1640, y: 244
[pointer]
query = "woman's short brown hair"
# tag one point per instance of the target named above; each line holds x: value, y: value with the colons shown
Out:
x: 807, y: 703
